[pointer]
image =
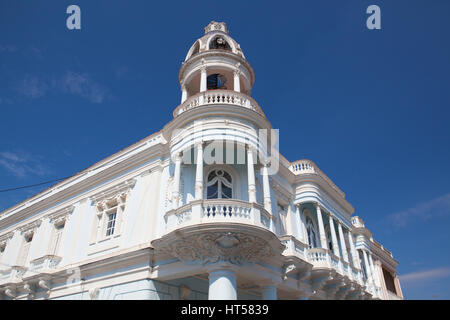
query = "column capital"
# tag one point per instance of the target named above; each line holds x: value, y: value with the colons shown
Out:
x: 249, y: 147
x: 220, y: 266
x: 266, y: 163
x: 317, y: 205
x: 177, y: 156
x: 199, y: 143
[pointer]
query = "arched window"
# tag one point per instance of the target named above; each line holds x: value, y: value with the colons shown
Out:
x: 312, y: 234
x: 219, y: 185
x: 219, y: 43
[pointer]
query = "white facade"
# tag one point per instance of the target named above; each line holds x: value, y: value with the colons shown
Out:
x: 153, y: 222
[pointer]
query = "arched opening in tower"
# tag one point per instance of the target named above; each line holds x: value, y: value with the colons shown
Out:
x: 216, y: 81
x: 219, y: 43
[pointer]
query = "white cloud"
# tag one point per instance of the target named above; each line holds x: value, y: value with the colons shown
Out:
x: 423, y: 211
x: 83, y: 85
x: 71, y: 82
x: 32, y: 87
x: 21, y: 164
x: 425, y: 275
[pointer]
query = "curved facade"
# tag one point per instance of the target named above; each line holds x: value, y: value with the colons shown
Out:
x: 206, y: 208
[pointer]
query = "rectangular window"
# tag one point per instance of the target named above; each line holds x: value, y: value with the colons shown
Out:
x: 2, y: 250
x: 389, y: 281
x: 111, y: 223
x: 56, y: 240
x: 25, y: 249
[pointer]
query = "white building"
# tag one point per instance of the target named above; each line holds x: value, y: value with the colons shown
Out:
x: 152, y: 222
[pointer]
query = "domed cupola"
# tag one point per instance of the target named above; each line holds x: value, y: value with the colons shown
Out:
x: 215, y: 62
x: 216, y: 38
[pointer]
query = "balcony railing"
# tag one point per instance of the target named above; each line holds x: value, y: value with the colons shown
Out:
x: 322, y: 258
x: 218, y: 97
x: 47, y: 262
x: 319, y: 258
x: 306, y: 166
x: 218, y: 210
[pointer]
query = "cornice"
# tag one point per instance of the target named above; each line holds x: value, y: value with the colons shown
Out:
x: 61, y: 215
x: 214, y: 110
x: 81, y: 187
x: 5, y: 237
x: 149, y: 144
x: 325, y: 187
x: 111, y: 192
x: 386, y: 258
x: 216, y: 53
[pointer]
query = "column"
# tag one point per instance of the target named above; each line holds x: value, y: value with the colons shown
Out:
x: 372, y: 269
x: 323, y: 237
x: 176, y: 182
x: 203, y: 77
x: 183, y: 93
x: 355, y: 256
x: 367, y: 267
x: 199, y: 172
x: 301, y: 224
x: 342, y: 240
x: 266, y: 188
x: 269, y: 292
x: 333, y: 236
x: 398, y: 288
x: 251, y: 176
x: 222, y: 285
x: 237, y: 84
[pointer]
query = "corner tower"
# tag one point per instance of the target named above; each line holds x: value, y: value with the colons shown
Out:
x: 215, y: 62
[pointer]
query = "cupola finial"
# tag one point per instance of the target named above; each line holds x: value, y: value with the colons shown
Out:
x: 216, y: 26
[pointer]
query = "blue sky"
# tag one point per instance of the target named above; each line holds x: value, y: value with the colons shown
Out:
x: 370, y: 108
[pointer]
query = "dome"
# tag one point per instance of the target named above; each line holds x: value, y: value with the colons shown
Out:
x: 216, y: 38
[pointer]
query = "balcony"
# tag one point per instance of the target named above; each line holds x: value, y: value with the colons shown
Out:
x: 213, y: 231
x: 328, y: 269
x: 212, y: 97
x: 44, y: 264
x: 218, y: 211
x: 304, y: 167
x: 12, y: 275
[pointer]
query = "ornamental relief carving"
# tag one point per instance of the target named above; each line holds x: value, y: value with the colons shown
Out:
x: 169, y: 192
x: 211, y: 247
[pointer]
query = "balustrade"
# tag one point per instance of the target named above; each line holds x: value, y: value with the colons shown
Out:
x: 218, y: 210
x: 218, y: 97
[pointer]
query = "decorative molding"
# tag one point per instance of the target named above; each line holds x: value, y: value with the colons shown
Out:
x: 113, y: 193
x: 30, y: 228
x: 94, y: 293
x: 59, y: 217
x: 211, y: 247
